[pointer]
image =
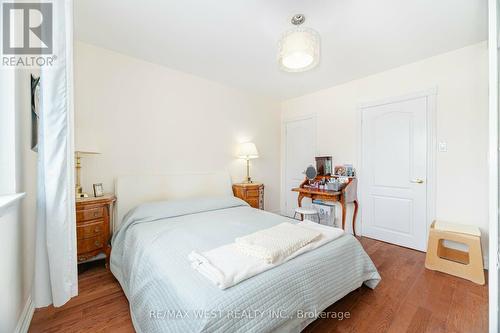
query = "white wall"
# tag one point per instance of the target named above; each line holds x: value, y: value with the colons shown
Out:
x: 12, y: 301
x: 148, y: 119
x: 7, y: 131
x: 461, y: 78
x: 27, y: 177
x: 18, y: 222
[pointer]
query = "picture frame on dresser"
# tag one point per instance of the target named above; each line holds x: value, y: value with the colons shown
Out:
x: 98, y: 190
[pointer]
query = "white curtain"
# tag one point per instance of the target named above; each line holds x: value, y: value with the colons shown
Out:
x: 56, y: 277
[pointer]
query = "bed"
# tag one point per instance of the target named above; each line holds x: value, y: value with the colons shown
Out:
x: 152, y: 241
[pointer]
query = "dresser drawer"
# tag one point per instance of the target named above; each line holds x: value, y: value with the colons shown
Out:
x: 254, y: 202
x: 252, y: 193
x: 90, y: 230
x: 89, y: 214
x: 90, y: 244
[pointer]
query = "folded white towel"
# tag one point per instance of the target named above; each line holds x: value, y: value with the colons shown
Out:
x: 226, y: 266
x: 276, y: 242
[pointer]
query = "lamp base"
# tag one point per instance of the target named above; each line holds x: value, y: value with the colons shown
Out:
x: 79, y: 192
x: 248, y: 179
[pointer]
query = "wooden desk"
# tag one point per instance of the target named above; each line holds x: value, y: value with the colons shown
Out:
x: 347, y: 195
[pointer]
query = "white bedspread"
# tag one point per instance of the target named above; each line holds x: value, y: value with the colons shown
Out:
x: 226, y: 266
x: 165, y: 294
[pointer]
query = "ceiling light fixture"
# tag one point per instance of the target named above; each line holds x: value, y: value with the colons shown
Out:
x: 299, y: 47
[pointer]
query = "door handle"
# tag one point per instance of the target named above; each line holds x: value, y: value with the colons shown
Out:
x: 417, y: 181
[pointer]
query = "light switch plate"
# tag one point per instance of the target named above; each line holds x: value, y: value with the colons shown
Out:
x: 442, y: 147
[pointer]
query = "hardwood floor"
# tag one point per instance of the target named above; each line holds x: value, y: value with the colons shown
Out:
x: 408, y: 299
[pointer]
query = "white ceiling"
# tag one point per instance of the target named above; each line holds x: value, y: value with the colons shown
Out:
x: 235, y: 41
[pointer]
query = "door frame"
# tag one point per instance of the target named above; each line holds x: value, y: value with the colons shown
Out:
x: 431, y: 96
x: 284, y: 121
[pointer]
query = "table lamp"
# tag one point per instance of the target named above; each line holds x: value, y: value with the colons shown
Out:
x: 248, y: 151
x: 78, y: 166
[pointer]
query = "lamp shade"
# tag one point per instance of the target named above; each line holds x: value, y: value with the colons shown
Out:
x: 248, y: 150
x: 86, y: 142
x: 299, y: 50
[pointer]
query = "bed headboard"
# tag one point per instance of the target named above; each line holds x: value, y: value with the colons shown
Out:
x: 131, y: 191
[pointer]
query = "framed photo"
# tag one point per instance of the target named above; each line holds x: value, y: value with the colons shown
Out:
x: 346, y: 170
x: 340, y: 170
x: 349, y: 170
x: 98, y: 190
x: 324, y: 165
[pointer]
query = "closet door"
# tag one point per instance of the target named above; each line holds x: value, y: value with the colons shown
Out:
x: 300, y: 145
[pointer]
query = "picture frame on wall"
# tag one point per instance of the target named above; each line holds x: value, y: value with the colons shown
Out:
x: 35, y: 111
x: 98, y: 190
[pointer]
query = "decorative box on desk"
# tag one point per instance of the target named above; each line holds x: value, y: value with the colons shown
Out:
x: 252, y: 193
x: 93, y: 220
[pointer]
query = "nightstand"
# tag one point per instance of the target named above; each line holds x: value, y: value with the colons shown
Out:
x: 93, y: 220
x: 252, y: 193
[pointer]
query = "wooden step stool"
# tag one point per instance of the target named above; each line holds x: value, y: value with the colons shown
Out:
x: 467, y: 265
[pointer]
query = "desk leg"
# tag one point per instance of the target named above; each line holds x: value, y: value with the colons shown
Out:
x: 299, y: 201
x: 342, y: 206
x: 354, y: 217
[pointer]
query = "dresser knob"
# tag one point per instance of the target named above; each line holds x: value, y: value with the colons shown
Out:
x: 97, y: 243
x: 96, y: 214
x: 97, y: 230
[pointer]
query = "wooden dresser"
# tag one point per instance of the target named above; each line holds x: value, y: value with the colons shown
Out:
x: 93, y: 220
x: 252, y: 193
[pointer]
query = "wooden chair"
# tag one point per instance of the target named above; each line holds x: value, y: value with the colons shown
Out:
x: 467, y: 265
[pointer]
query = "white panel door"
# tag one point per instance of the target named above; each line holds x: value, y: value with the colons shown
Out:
x: 394, y: 156
x: 299, y: 154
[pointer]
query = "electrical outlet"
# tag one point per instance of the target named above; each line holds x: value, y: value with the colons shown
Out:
x: 442, y: 147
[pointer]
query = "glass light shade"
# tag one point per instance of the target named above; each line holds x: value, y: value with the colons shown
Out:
x: 299, y: 50
x: 247, y: 150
